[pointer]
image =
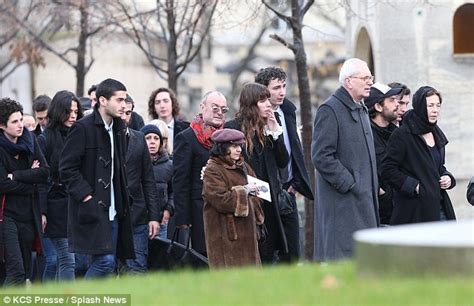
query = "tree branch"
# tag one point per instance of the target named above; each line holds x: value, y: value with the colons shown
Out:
x: 283, y: 42
x: 306, y: 7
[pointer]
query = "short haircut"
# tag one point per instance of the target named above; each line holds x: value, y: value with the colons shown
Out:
x: 405, y: 91
x: 129, y: 100
x: 207, y: 94
x: 349, y: 68
x: 266, y: 75
x: 107, y: 89
x: 174, y: 102
x: 41, y: 103
x: 7, y: 108
x: 58, y: 111
x: 92, y: 89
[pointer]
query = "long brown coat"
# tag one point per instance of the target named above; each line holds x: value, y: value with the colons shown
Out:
x: 230, y: 215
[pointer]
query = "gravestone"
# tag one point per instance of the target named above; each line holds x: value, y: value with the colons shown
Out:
x: 435, y: 248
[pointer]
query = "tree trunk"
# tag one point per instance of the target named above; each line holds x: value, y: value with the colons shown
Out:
x: 81, y: 49
x: 306, y: 121
x: 172, y: 55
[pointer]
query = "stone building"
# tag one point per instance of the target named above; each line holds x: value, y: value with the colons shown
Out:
x: 424, y: 43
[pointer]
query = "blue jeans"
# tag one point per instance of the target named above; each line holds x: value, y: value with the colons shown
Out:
x: 66, y: 260
x: 81, y: 264
x: 50, y: 260
x: 163, y: 231
x: 140, y: 242
x: 104, y: 264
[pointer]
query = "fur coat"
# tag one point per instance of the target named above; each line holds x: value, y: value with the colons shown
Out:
x: 230, y: 215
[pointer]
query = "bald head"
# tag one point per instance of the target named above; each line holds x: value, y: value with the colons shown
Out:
x: 213, y: 108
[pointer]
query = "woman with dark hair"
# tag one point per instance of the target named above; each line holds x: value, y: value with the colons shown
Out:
x: 231, y: 209
x: 63, y: 112
x: 164, y: 105
x: 414, y: 164
x: 265, y: 152
x: 22, y: 167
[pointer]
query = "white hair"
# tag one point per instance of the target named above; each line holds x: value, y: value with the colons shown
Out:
x: 163, y: 127
x: 207, y: 94
x: 350, y: 67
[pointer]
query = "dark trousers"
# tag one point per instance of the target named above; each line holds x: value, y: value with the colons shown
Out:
x: 18, y: 242
x: 271, y: 250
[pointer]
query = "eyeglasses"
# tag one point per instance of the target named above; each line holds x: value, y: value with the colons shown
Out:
x: 365, y: 78
x: 216, y: 109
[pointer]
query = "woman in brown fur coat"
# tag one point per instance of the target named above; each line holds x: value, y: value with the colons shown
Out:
x: 231, y: 209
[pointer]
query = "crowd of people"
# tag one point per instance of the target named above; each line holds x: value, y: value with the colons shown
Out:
x: 89, y: 186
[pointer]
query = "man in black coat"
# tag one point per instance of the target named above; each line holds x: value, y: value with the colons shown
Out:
x: 145, y: 212
x: 383, y: 111
x: 294, y: 177
x: 93, y: 168
x: 191, y: 152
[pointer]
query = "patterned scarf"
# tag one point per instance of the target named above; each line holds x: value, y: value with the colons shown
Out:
x: 203, y: 131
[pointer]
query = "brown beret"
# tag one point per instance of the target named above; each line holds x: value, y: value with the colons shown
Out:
x: 228, y: 135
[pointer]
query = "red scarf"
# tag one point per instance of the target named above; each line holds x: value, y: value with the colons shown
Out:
x: 203, y: 131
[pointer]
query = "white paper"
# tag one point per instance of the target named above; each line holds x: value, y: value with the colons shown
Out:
x: 263, y: 187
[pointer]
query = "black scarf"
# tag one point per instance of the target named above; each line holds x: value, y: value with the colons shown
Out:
x: 417, y: 118
x: 25, y: 144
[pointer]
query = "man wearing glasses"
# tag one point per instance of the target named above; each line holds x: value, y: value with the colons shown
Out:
x: 343, y: 154
x: 190, y: 154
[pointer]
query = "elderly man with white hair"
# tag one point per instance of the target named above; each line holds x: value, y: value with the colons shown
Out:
x: 343, y: 154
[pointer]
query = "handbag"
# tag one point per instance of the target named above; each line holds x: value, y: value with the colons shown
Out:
x: 169, y: 254
x: 286, y: 202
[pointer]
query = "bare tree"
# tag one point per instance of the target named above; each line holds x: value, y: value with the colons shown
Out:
x: 179, y: 28
x: 16, y: 48
x: 74, y: 20
x: 295, y: 22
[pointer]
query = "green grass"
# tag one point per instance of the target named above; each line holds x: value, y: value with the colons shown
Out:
x: 308, y: 284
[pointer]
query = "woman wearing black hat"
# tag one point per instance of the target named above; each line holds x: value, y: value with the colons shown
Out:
x: 163, y: 172
x: 414, y: 164
x: 63, y: 112
x: 231, y: 208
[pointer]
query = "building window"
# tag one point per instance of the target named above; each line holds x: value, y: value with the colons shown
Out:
x: 463, y: 29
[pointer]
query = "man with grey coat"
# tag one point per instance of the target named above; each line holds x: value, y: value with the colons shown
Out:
x: 343, y: 154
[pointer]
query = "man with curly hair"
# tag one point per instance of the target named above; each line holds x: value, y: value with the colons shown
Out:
x: 284, y: 244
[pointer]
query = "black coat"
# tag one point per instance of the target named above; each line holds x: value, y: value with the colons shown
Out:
x: 141, y: 181
x: 300, y: 175
x: 85, y: 168
x: 136, y: 121
x: 23, y: 185
x: 381, y: 137
x: 188, y: 159
x: 179, y: 126
x: 163, y: 170
x: 53, y: 196
x: 265, y: 162
x: 409, y: 163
